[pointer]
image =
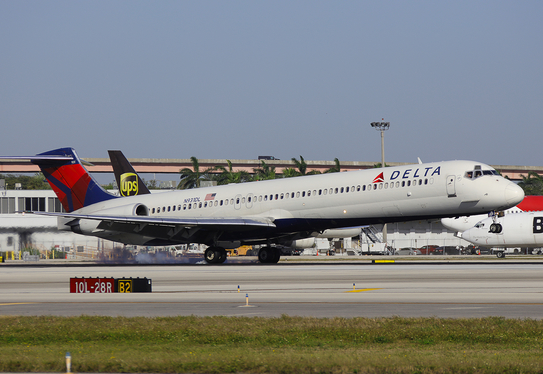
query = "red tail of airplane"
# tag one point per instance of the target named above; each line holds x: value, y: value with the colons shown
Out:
x: 69, y: 179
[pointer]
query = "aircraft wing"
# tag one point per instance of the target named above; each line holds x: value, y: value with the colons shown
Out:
x: 168, y: 222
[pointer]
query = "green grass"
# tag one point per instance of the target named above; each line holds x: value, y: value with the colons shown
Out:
x: 271, y: 345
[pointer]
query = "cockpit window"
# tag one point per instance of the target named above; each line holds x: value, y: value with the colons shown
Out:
x: 472, y: 174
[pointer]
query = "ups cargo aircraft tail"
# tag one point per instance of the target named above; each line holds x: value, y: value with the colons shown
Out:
x: 128, y: 181
x: 273, y: 211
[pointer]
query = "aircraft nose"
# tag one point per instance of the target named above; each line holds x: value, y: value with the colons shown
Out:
x: 513, y: 194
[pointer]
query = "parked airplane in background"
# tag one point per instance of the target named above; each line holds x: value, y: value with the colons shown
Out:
x: 458, y: 225
x: 508, y: 231
x: 273, y: 211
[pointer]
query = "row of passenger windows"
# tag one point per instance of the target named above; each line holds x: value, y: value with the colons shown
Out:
x: 293, y: 195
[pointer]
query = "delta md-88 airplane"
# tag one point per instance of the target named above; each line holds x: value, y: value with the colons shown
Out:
x: 273, y: 211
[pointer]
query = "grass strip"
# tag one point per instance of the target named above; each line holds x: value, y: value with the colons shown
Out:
x: 271, y: 345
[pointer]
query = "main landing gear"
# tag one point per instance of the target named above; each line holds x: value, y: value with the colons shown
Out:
x: 500, y: 254
x: 269, y: 255
x: 215, y: 255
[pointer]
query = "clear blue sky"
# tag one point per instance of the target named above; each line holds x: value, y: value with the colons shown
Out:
x: 238, y: 79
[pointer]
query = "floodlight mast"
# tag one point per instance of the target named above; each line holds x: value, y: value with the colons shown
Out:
x: 382, y: 126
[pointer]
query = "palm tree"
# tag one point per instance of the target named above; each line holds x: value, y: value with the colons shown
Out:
x: 532, y: 184
x: 228, y: 176
x: 336, y: 168
x: 302, y: 167
x: 290, y: 172
x: 190, y: 178
x: 264, y: 172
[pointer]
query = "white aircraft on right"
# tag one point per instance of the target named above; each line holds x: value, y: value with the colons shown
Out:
x: 518, y: 226
x: 510, y: 230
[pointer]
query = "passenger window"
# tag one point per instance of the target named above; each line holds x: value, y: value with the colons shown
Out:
x: 153, y: 210
x: 308, y: 193
x: 380, y: 186
x: 341, y: 190
x: 276, y: 196
x: 282, y: 196
x: 386, y: 186
x: 200, y: 205
x: 325, y: 192
x: 408, y: 183
x: 297, y: 194
x: 225, y: 202
x: 331, y: 190
x: 397, y: 184
x: 420, y: 182
x: 364, y: 188
x: 403, y: 183
x: 303, y: 193
x: 217, y: 202
x: 237, y: 200
x: 314, y: 192
x: 358, y: 188
x: 375, y: 186
x: 231, y: 201
x: 336, y: 190
x: 242, y: 200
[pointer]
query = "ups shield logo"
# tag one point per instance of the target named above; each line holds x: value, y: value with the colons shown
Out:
x: 129, y: 184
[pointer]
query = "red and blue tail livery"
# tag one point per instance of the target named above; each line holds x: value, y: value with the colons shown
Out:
x: 69, y: 179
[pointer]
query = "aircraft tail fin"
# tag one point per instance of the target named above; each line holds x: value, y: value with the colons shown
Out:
x: 72, y: 183
x: 128, y: 181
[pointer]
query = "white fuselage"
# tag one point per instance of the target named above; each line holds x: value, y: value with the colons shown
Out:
x: 302, y: 205
x: 517, y: 230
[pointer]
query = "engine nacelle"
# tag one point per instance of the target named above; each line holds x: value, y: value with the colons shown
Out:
x: 340, y: 233
x: 125, y: 210
x: 303, y: 243
x: 88, y: 226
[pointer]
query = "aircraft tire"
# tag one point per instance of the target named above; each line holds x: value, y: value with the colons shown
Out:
x: 221, y: 253
x: 210, y: 255
x: 500, y: 254
x: 268, y: 255
x: 496, y: 228
x: 215, y: 255
x: 276, y: 256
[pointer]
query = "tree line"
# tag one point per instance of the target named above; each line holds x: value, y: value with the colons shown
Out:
x: 191, y: 178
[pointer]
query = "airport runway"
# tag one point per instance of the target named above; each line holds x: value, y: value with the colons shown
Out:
x: 318, y: 290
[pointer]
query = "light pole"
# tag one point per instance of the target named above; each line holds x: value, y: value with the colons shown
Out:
x: 382, y: 126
